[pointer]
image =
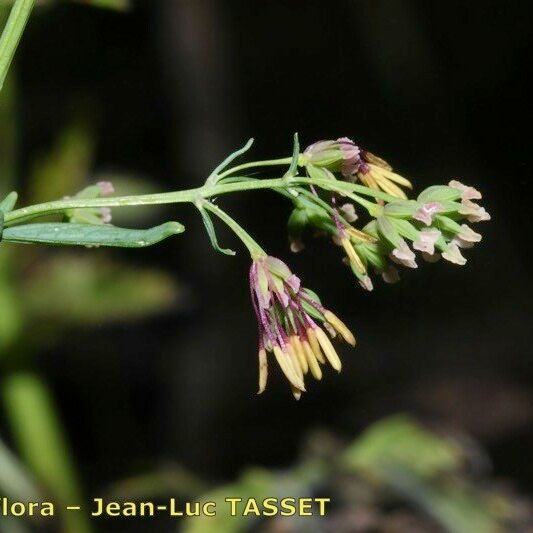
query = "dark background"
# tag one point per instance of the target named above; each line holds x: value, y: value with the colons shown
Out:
x: 440, y: 89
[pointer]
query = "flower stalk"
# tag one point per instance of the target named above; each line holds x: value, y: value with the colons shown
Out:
x: 375, y: 224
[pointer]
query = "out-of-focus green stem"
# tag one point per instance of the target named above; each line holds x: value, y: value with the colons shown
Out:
x: 42, y: 444
x: 20, y: 13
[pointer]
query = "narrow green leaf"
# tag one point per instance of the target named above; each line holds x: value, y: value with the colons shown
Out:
x: 210, y: 228
x: 8, y: 203
x: 293, y: 169
x: 71, y: 234
x: 231, y: 158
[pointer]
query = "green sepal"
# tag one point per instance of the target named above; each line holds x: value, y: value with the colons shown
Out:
x: 8, y: 203
x: 312, y: 295
x: 72, y: 234
x: 312, y: 312
x: 439, y: 193
x: 297, y: 222
x: 401, y: 209
x: 372, y: 254
x: 447, y: 224
x: 210, y: 228
x: 318, y: 173
x: 389, y: 232
x: 405, y: 228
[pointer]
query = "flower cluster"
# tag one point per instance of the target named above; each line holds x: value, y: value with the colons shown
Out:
x: 324, y: 158
x: 434, y: 224
x: 100, y: 215
x: 288, y: 317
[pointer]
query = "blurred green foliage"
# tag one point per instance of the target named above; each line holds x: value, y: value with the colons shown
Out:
x: 117, y: 5
x: 395, y: 464
x: 95, y: 288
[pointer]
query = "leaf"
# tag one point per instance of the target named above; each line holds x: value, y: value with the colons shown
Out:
x: 15, y: 481
x: 293, y: 169
x: 8, y: 203
x: 71, y: 234
x: 231, y: 158
x: 210, y: 228
x: 95, y: 290
x: 400, y: 442
x: 40, y: 437
x: 254, y: 483
x: 65, y: 167
x: 116, y: 5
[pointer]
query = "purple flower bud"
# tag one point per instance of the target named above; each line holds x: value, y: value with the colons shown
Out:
x: 105, y: 215
x: 426, y: 241
x: 286, y: 315
x: 453, y: 254
x: 426, y: 213
x: 348, y: 212
x: 467, y: 193
x: 341, y: 155
x: 403, y: 255
x: 474, y: 212
x: 106, y: 188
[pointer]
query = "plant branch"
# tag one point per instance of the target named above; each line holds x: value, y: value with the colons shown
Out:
x: 20, y: 13
x: 191, y: 196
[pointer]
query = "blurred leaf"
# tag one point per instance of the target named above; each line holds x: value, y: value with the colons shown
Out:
x: 458, y: 506
x: 94, y: 290
x: 65, y: 168
x: 8, y: 203
x: 424, y: 468
x: 13, y: 525
x: 15, y: 481
x: 400, y: 441
x: 129, y: 185
x: 38, y: 433
x: 73, y: 234
x: 11, y: 314
x: 174, y: 480
x: 254, y: 483
x: 117, y: 5
x: 8, y: 133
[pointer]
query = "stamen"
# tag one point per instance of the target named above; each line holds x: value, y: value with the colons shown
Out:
x: 313, y: 341
x: 263, y: 370
x: 312, y: 361
x: 355, y: 260
x: 298, y: 348
x: 284, y: 362
x: 295, y: 362
x: 340, y: 327
x: 297, y: 393
x: 328, y: 349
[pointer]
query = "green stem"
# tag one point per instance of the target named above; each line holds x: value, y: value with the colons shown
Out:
x: 20, y: 13
x: 192, y: 195
x: 254, y: 248
x: 256, y: 164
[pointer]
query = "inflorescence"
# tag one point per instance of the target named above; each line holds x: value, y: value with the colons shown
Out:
x: 338, y: 190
